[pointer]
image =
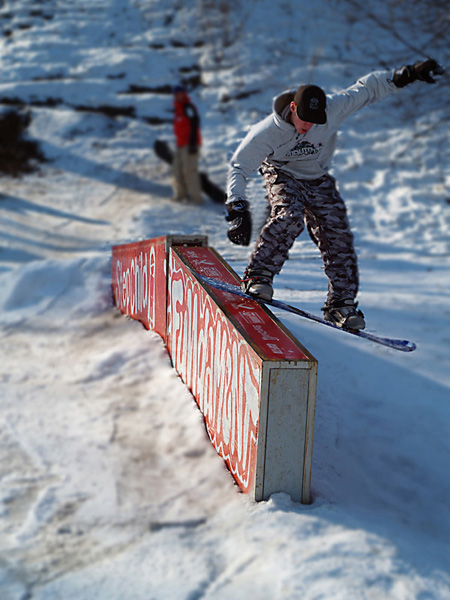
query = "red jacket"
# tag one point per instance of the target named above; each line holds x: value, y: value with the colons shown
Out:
x: 186, y: 123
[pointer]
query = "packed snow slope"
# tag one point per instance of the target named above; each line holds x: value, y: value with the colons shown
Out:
x: 109, y: 487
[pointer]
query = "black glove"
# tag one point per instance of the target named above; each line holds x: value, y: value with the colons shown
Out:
x: 192, y: 149
x: 420, y: 70
x: 240, y: 230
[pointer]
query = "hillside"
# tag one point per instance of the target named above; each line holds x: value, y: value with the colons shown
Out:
x: 109, y: 487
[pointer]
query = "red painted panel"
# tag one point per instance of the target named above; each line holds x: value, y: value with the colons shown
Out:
x: 139, y: 282
x: 265, y: 333
x: 221, y: 370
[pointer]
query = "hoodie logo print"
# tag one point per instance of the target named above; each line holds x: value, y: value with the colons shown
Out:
x: 304, y: 148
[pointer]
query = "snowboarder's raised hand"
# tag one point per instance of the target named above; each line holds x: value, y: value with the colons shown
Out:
x: 421, y: 70
x: 240, y: 230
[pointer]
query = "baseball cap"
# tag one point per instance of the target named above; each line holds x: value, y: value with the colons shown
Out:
x: 311, y: 104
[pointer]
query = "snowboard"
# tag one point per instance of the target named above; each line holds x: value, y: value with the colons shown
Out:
x: 164, y: 152
x: 395, y: 344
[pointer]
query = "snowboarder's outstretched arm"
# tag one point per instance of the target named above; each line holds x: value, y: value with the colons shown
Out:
x: 377, y: 85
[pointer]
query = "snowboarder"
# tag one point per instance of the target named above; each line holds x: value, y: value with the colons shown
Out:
x: 293, y: 148
x: 186, y: 127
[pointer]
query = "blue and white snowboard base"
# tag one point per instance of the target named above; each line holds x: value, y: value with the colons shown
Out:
x: 402, y: 345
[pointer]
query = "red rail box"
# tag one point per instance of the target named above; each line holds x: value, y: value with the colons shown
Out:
x: 139, y: 278
x: 254, y: 383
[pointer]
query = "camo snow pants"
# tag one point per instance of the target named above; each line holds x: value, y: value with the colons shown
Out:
x: 318, y: 205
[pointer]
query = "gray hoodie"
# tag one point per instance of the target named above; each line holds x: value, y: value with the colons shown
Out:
x: 306, y: 156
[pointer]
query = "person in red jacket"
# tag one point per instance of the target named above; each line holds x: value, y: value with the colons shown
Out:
x: 186, y: 127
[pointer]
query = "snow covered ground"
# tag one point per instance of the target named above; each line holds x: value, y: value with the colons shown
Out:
x: 109, y: 487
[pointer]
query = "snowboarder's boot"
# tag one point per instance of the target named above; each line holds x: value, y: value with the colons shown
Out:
x: 344, y: 313
x: 258, y: 283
